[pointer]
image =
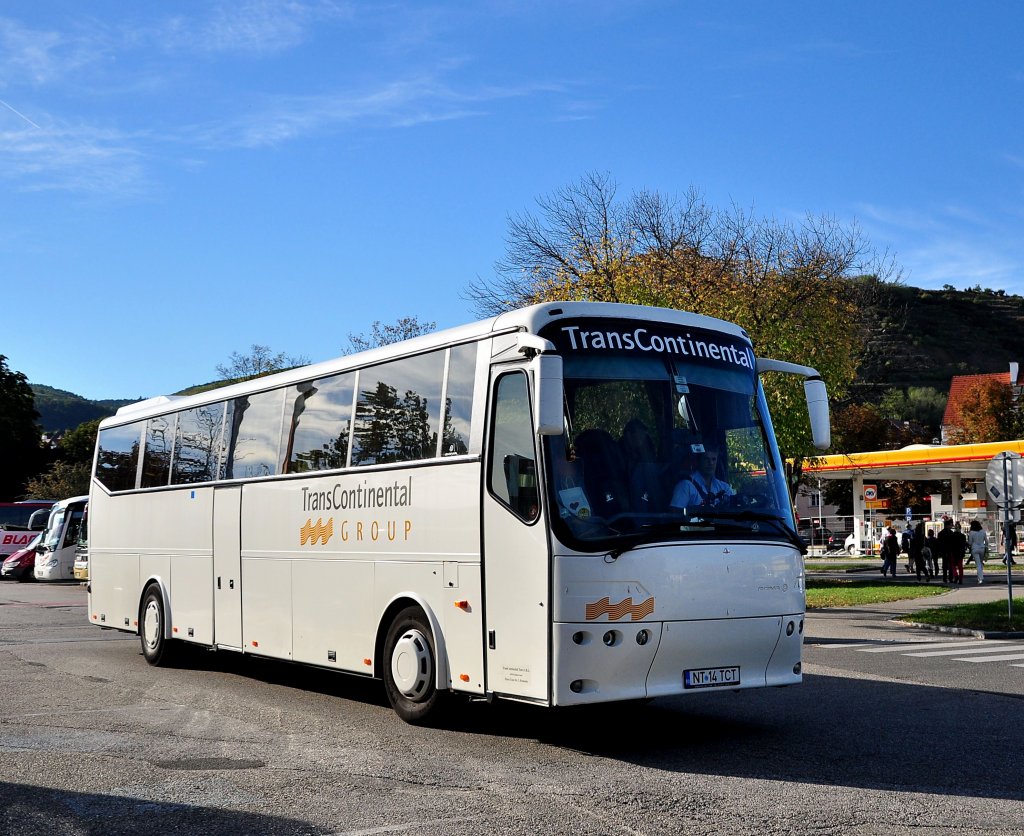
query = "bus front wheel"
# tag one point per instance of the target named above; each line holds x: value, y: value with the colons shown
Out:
x: 151, y: 628
x: 410, y: 667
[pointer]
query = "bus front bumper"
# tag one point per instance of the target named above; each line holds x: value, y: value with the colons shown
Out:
x: 605, y: 661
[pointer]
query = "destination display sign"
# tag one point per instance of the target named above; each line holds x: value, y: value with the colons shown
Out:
x: 597, y: 335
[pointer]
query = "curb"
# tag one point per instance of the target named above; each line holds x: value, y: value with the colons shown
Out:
x: 959, y: 631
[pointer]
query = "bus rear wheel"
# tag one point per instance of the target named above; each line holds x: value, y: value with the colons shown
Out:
x: 155, y: 646
x: 410, y: 667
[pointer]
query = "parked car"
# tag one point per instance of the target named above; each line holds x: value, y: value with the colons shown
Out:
x: 821, y: 536
x: 850, y: 547
x: 21, y: 565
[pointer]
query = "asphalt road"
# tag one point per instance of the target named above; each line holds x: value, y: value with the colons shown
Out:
x: 93, y: 740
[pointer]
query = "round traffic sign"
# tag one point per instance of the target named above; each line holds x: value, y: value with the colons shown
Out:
x: 1004, y: 479
x: 871, y: 492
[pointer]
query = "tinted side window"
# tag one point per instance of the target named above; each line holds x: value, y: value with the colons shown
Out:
x: 256, y: 435
x: 197, y: 444
x: 156, y: 459
x: 458, y: 402
x: 512, y: 476
x: 398, y: 411
x: 118, y: 456
x: 321, y: 417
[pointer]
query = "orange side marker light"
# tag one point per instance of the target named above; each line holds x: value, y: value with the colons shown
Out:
x: 462, y: 604
x: 464, y: 677
x: 368, y: 662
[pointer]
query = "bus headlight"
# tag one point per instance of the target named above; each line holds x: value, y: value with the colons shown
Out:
x: 50, y: 563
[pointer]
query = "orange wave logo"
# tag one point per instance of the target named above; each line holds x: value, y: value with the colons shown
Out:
x: 310, y: 533
x: 620, y: 610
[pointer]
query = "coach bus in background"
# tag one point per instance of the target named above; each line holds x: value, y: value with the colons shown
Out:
x: 498, y: 510
x: 55, y: 553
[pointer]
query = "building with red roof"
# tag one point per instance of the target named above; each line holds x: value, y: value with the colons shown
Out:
x: 963, y: 383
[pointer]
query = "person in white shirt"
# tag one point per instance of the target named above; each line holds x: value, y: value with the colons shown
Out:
x: 702, y: 487
x: 977, y: 543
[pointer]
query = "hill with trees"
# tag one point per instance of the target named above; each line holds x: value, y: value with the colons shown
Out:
x: 60, y: 410
x: 922, y: 338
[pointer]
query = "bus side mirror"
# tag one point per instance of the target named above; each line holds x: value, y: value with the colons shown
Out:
x: 548, y: 417
x: 817, y: 410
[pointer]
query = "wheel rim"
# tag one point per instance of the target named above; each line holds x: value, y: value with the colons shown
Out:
x: 412, y: 667
x: 151, y: 624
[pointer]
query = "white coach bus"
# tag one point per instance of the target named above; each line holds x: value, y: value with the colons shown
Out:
x: 503, y: 509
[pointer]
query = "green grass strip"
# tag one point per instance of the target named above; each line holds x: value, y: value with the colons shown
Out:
x: 844, y: 593
x: 991, y: 616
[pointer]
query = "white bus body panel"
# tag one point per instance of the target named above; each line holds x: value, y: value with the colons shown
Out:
x: 705, y: 606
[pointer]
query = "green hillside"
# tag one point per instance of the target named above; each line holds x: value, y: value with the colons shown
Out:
x: 924, y: 337
x: 61, y: 410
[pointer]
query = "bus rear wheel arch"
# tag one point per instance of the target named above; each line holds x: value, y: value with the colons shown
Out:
x: 409, y: 667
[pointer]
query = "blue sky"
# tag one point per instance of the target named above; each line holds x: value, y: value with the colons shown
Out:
x: 180, y: 180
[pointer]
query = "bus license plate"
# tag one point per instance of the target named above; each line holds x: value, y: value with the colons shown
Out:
x: 711, y: 677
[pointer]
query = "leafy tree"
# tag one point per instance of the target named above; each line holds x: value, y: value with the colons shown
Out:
x: 921, y: 404
x: 78, y: 445
x: 404, y: 328
x: 61, y: 480
x: 259, y: 361
x: 20, y: 449
x: 986, y: 412
x: 787, y: 285
x: 392, y: 428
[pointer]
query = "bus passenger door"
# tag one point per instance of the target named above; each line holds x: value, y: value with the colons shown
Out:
x: 515, y: 547
x: 227, y: 566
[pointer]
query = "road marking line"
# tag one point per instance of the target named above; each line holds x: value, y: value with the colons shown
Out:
x: 1008, y: 657
x: 902, y: 647
x: 957, y: 651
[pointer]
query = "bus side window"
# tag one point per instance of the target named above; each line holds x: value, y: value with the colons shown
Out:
x: 513, y: 469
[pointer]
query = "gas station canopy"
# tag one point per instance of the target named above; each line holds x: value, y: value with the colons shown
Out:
x: 919, y: 462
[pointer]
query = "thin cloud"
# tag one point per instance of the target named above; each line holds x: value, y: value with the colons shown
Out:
x: 256, y: 26
x: 398, y: 104
x: 37, y: 57
x: 950, y: 245
x: 82, y: 159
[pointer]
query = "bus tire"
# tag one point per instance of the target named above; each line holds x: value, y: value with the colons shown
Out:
x: 410, y: 667
x: 151, y: 627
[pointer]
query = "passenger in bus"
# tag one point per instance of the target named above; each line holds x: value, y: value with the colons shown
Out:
x: 648, y: 489
x: 604, y: 473
x: 702, y: 487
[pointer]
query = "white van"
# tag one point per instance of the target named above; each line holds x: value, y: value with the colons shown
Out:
x: 55, y: 554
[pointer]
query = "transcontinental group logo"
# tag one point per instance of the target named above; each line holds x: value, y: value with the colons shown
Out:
x: 319, y: 532
x: 620, y: 610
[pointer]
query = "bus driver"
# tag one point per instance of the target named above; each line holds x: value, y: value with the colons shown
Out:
x: 701, y: 487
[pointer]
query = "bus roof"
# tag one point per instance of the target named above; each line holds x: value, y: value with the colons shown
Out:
x: 529, y: 319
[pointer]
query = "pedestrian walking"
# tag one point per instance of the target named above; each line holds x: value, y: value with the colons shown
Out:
x: 917, y: 547
x: 906, y: 537
x: 977, y: 542
x: 930, y: 553
x: 1009, y: 541
x: 956, y: 557
x: 945, y: 544
x: 890, y: 551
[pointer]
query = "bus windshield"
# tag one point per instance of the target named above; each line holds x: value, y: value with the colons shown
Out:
x: 661, y: 447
